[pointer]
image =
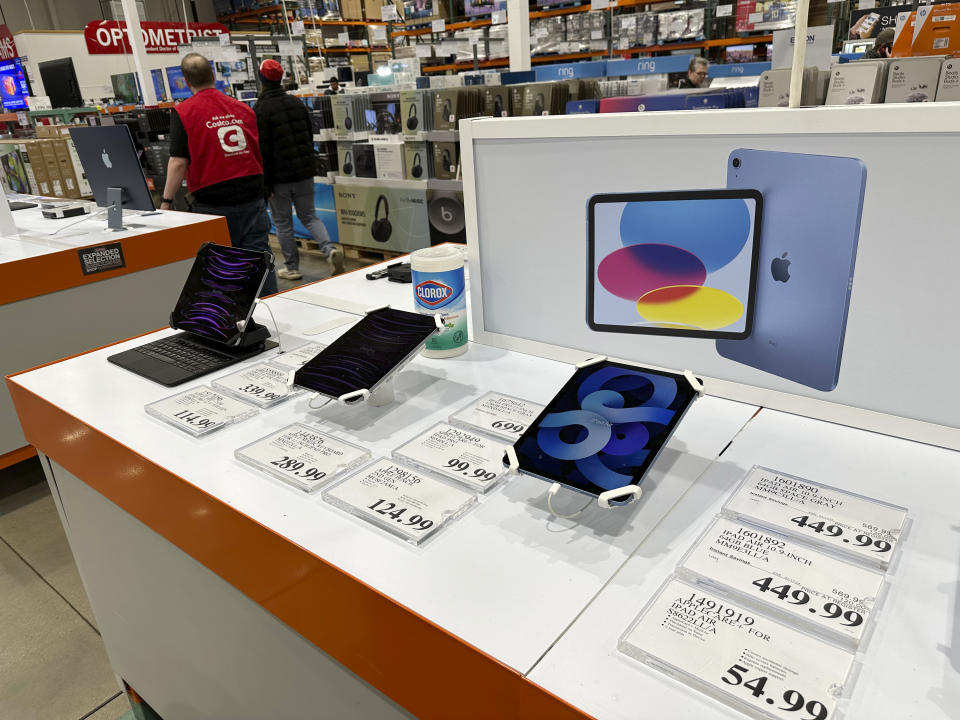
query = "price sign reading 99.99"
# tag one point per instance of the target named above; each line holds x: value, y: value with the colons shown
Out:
x: 791, y: 577
x: 399, y: 499
x: 864, y: 529
x: 740, y: 657
x: 463, y: 456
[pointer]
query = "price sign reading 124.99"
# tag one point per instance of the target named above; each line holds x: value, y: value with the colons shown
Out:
x: 461, y: 455
x: 745, y: 658
x: 864, y: 529
x: 399, y: 499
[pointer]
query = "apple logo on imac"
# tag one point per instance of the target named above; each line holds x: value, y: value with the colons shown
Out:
x: 106, y: 159
x: 780, y: 268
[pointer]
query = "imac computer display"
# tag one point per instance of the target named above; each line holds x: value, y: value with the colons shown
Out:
x: 159, y: 88
x: 110, y: 160
x: 60, y: 83
x: 14, y: 87
x: 126, y: 88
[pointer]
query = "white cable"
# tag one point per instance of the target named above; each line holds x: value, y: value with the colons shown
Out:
x: 83, y: 219
x: 317, y: 407
x: 554, y: 489
x: 276, y: 328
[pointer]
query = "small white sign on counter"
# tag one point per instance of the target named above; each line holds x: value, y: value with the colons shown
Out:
x: 400, y: 499
x: 200, y: 411
x: 755, y: 664
x: 861, y: 528
x: 497, y: 414
x: 461, y: 455
x: 788, y: 577
x: 302, y: 456
x: 263, y: 385
x: 298, y: 357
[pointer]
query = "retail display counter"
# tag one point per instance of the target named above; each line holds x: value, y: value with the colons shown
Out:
x: 50, y: 308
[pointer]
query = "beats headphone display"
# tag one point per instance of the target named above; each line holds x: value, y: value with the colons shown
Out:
x: 538, y: 105
x: 447, y: 108
x: 446, y: 159
x: 412, y: 120
x: 348, y: 122
x: 417, y: 169
x: 381, y: 229
x: 497, y: 106
x: 348, y: 164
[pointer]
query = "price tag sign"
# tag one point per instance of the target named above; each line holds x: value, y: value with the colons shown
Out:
x: 724, y: 649
x: 22, y: 118
x: 596, y: 34
x: 599, y: 4
x: 498, y: 17
x: 388, y: 12
x: 343, y: 38
x: 863, y: 529
x: 463, y: 456
x: 302, y: 456
x: 503, y: 416
x: 297, y: 358
x: 200, y: 411
x: 789, y: 577
x: 263, y: 385
x: 438, y: 26
x: 296, y: 27
x: 724, y: 10
x: 399, y: 499
x: 379, y: 32
x: 224, y: 39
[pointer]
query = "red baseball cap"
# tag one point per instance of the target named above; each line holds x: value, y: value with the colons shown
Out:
x: 271, y: 70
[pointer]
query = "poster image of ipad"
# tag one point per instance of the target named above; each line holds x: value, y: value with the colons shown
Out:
x: 605, y: 427
x: 807, y: 262
x: 673, y: 263
x: 367, y: 353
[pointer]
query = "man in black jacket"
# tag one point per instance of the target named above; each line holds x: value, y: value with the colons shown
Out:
x: 286, y: 144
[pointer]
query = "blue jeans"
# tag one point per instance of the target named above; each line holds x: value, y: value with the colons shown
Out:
x: 249, y: 228
x: 298, y: 196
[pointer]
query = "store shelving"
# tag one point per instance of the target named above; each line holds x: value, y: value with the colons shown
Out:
x: 719, y: 42
x: 505, y: 62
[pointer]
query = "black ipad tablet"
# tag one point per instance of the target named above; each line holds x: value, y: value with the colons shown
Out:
x: 673, y: 263
x: 605, y: 427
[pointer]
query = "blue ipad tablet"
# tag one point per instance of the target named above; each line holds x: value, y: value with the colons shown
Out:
x: 810, y: 228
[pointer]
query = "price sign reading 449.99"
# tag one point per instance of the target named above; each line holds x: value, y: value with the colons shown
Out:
x: 746, y: 660
x: 400, y: 499
x: 859, y: 527
x: 463, y: 456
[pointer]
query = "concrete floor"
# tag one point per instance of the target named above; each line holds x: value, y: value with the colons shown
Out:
x: 53, y: 665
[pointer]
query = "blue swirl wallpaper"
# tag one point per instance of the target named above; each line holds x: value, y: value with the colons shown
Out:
x: 604, y: 428
x: 366, y: 353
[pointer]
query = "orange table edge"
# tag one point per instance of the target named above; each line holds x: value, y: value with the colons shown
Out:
x: 433, y: 673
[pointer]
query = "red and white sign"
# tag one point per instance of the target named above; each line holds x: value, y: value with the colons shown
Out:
x: 109, y: 37
x: 8, y: 48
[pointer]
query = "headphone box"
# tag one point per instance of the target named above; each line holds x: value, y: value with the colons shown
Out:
x: 389, y: 160
x: 949, y: 86
x: 913, y: 79
x: 411, y: 112
x: 496, y: 101
x: 446, y: 158
x: 416, y: 160
x: 364, y: 158
x: 342, y: 114
x: 445, y: 109
x: 345, y: 159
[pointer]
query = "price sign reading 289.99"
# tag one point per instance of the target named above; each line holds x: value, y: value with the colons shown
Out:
x: 461, y: 455
x: 399, y: 499
x: 744, y: 659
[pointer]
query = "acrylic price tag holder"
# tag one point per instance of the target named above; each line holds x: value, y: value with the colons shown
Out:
x: 788, y: 579
x: 262, y: 384
x: 400, y: 499
x: 738, y: 656
x: 496, y: 414
x: 461, y: 455
x: 857, y: 527
x: 296, y: 358
x: 302, y: 456
x: 200, y: 411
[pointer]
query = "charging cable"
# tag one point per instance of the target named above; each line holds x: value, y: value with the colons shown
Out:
x: 317, y: 407
x: 86, y: 217
x: 276, y: 328
x: 554, y: 489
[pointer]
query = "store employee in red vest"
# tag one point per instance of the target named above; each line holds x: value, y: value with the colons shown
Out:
x: 214, y: 144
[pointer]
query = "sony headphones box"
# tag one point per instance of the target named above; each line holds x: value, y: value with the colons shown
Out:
x: 411, y: 112
x: 343, y: 121
x: 949, y: 86
x: 446, y: 157
x: 382, y: 218
x: 364, y: 159
x: 345, y: 159
x: 416, y: 161
x: 389, y: 159
x: 912, y: 80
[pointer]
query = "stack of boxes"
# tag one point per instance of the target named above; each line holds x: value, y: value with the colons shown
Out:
x: 49, y: 164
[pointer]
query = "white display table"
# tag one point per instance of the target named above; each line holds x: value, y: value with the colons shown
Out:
x: 50, y: 309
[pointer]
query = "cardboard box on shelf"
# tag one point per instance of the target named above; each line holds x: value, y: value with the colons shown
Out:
x: 39, y: 167
x: 71, y: 185
x: 937, y: 30
x: 49, y: 160
x: 360, y: 62
x: 351, y: 9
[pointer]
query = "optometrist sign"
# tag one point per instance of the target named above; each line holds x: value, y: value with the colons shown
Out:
x: 109, y: 37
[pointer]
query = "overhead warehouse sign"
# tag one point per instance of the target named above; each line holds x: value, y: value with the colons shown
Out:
x: 109, y: 37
